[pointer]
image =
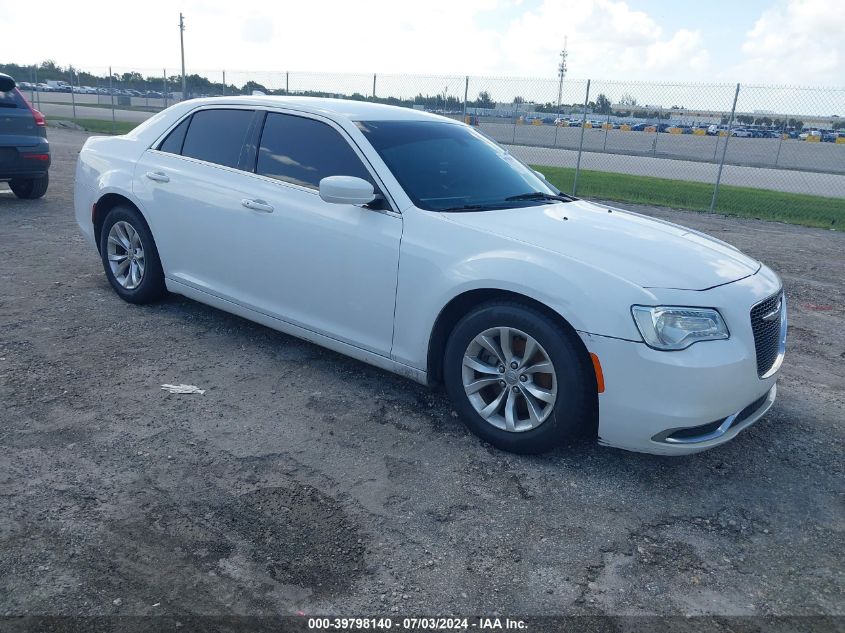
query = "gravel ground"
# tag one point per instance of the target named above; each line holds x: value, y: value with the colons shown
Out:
x: 306, y: 481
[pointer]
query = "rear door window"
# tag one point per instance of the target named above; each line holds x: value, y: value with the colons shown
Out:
x: 173, y: 143
x: 217, y: 136
x: 303, y: 151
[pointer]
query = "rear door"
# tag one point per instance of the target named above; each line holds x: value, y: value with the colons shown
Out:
x: 191, y: 188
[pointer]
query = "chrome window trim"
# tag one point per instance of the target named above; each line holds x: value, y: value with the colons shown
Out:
x: 393, y: 207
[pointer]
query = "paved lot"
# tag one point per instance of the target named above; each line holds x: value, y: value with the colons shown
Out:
x: 750, y: 152
x: 303, y: 480
x: 62, y: 111
x: 813, y: 183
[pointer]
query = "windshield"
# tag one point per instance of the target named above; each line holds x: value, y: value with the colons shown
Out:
x: 447, y: 167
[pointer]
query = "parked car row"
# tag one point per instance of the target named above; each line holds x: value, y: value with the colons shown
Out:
x: 60, y: 86
x: 828, y: 136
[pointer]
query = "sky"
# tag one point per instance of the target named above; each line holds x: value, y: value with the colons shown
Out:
x: 793, y: 42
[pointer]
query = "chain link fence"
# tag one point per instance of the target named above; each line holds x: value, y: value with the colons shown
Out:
x: 759, y: 151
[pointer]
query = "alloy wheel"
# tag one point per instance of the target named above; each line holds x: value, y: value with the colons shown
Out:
x: 126, y: 255
x: 509, y: 379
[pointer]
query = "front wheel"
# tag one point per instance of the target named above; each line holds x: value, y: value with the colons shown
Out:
x: 130, y: 257
x: 518, y: 378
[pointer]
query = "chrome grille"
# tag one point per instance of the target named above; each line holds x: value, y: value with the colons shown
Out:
x: 767, y: 333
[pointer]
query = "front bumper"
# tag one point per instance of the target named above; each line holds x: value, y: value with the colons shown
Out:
x: 676, y: 403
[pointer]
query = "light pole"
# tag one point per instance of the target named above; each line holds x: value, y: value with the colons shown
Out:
x: 182, y: 44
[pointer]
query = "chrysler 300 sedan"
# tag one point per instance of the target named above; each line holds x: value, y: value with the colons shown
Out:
x: 413, y: 242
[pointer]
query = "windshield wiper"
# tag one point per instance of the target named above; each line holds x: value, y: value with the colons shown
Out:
x: 539, y: 195
x: 475, y: 207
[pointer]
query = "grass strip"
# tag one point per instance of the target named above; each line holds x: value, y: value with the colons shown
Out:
x: 746, y: 202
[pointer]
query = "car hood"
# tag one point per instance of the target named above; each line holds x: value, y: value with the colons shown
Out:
x: 648, y: 252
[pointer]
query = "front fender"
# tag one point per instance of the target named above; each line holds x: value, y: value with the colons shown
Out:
x: 442, y: 260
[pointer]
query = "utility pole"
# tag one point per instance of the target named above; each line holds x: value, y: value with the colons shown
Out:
x: 561, y: 71
x: 182, y: 44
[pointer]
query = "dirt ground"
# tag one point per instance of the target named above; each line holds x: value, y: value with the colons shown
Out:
x: 303, y: 481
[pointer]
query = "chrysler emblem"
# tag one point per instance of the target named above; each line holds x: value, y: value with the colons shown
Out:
x: 771, y: 316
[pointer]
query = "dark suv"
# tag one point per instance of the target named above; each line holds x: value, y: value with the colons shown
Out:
x: 24, y: 150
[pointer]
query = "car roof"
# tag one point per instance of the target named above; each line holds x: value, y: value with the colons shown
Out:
x: 334, y: 108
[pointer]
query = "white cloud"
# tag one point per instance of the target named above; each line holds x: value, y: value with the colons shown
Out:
x: 607, y: 39
x: 257, y: 30
x: 795, y: 42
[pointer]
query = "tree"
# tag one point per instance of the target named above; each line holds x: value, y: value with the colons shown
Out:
x: 518, y: 100
x: 484, y: 100
x: 627, y: 100
x: 131, y: 78
x: 253, y: 85
x: 797, y: 124
x: 602, y: 104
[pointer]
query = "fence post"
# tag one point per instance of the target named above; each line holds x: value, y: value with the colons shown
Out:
x: 72, y: 96
x: 559, y: 101
x: 164, y: 84
x: 607, y: 123
x: 374, y: 85
x: 657, y: 131
x: 581, y: 142
x: 780, y: 142
x: 724, y: 152
x: 111, y: 94
x: 224, y: 83
x: 287, y: 83
x: 466, y: 94
x: 37, y: 98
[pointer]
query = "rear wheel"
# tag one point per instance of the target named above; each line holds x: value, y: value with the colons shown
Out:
x: 30, y: 188
x: 130, y: 257
x: 517, y: 378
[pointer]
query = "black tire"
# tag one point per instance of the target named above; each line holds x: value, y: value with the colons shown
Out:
x: 574, y: 410
x: 30, y: 188
x: 151, y: 287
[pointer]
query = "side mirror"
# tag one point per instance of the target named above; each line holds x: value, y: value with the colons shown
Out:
x: 540, y: 175
x: 346, y: 190
x: 6, y: 83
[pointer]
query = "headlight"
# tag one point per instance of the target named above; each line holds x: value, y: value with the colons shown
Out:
x: 674, y: 328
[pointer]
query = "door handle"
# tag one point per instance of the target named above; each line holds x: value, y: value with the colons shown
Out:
x: 257, y: 205
x: 158, y: 176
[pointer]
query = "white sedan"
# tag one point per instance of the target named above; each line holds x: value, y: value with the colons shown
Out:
x: 412, y: 242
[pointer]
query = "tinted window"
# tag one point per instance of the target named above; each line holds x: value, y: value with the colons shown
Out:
x: 304, y: 151
x: 217, y: 136
x: 11, y: 99
x: 446, y: 166
x: 173, y: 143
